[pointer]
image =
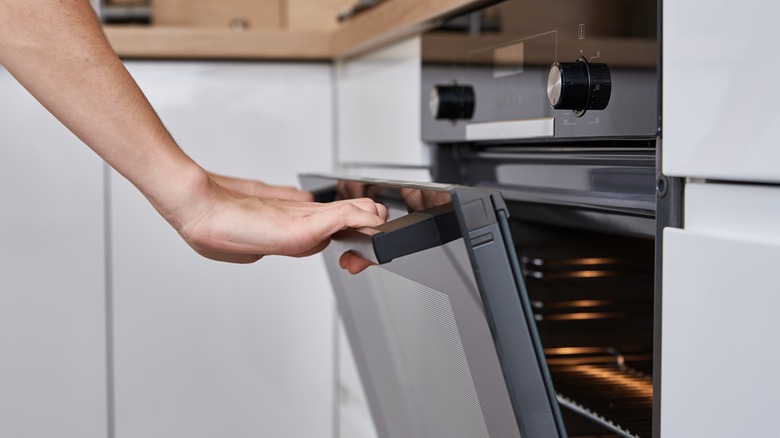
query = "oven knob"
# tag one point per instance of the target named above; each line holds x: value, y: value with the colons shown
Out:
x: 452, y: 102
x: 579, y: 86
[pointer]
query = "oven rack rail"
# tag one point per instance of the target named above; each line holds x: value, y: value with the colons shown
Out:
x: 597, y: 418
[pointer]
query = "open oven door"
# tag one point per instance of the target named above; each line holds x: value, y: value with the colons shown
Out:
x: 441, y: 328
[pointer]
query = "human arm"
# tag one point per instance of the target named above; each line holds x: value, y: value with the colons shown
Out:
x: 57, y: 50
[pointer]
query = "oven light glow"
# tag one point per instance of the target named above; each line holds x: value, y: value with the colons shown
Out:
x: 641, y: 386
x: 580, y: 303
x: 579, y: 316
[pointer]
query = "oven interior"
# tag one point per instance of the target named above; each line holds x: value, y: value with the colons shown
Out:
x: 592, y: 298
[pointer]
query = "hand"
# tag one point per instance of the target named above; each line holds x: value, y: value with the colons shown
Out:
x: 415, y: 200
x: 353, y: 263
x: 234, y: 227
x: 260, y: 189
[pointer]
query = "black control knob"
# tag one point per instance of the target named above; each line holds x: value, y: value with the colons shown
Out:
x: 452, y: 102
x: 579, y: 86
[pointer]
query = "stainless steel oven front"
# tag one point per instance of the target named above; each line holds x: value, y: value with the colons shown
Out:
x: 529, y: 305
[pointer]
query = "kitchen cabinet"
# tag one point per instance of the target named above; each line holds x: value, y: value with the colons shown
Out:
x: 207, y: 349
x: 720, y: 313
x: 315, y: 14
x: 719, y: 114
x: 378, y: 107
x: 302, y: 30
x: 719, y: 370
x: 252, y: 14
x: 52, y: 300
x: 296, y: 15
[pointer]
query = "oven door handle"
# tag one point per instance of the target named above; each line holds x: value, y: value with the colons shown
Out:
x: 406, y: 235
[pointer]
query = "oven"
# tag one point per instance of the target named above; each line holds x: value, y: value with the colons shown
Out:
x: 518, y: 295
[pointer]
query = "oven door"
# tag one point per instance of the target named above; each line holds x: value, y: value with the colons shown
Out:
x: 441, y: 328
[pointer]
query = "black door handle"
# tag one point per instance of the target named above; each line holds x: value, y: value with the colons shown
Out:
x: 406, y: 235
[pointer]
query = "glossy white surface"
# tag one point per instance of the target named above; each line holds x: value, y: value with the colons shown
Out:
x: 720, y: 90
x: 745, y: 212
x: 207, y: 349
x: 52, y: 302
x: 379, y: 107
x: 720, y: 327
x: 721, y: 278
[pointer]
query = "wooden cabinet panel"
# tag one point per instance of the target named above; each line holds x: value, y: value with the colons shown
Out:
x: 315, y: 14
x: 252, y: 14
x: 275, y: 29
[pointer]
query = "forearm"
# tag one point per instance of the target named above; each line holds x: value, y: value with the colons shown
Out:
x: 56, y: 49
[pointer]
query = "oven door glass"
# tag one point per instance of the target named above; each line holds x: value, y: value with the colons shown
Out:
x: 442, y: 336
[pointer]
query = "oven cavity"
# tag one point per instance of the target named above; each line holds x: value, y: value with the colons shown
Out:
x: 592, y: 299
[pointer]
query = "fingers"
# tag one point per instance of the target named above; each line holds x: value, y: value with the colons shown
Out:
x: 417, y: 200
x: 353, y: 263
x: 363, y: 215
x: 350, y: 189
x: 368, y: 205
x: 413, y: 199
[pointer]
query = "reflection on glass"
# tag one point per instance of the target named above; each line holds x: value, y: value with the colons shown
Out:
x: 413, y: 199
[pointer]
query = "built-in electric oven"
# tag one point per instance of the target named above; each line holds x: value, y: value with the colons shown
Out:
x: 518, y: 295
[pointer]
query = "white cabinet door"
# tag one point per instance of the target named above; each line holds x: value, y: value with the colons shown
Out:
x: 721, y: 286
x: 52, y: 288
x: 378, y: 108
x: 206, y: 349
x: 720, y: 90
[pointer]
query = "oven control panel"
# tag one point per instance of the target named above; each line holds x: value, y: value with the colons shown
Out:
x: 526, y: 71
x: 451, y: 102
x: 579, y: 86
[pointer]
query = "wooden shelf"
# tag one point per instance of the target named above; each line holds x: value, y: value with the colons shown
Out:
x: 386, y: 23
x: 396, y: 19
x: 179, y: 42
